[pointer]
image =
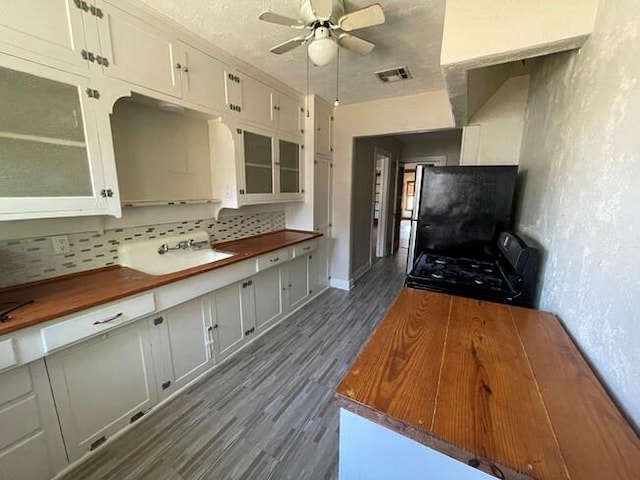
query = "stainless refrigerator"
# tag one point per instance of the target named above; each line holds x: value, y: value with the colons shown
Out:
x: 460, y: 208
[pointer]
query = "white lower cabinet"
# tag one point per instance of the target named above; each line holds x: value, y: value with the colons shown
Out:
x: 267, y: 293
x: 299, y: 288
x: 228, y: 319
x: 87, y: 392
x: 182, y: 345
x: 102, y: 385
x: 31, y: 446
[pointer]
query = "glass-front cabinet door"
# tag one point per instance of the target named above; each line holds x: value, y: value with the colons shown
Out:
x: 289, y: 166
x: 258, y: 163
x: 50, y: 163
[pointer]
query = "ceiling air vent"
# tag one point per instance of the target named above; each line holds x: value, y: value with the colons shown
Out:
x: 393, y: 74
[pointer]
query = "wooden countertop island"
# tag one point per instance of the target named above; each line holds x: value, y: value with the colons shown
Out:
x: 500, y: 388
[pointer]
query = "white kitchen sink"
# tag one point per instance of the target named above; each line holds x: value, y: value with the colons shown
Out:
x: 144, y: 256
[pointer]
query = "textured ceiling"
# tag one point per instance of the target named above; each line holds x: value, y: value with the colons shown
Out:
x: 411, y: 36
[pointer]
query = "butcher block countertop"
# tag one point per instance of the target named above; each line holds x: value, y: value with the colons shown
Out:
x: 498, y: 387
x: 72, y: 293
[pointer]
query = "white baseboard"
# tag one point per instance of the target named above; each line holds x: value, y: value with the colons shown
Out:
x: 341, y: 284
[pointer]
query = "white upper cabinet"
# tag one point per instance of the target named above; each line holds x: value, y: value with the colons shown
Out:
x: 48, y: 30
x: 203, y: 79
x: 233, y: 91
x: 289, y: 113
x: 256, y: 102
x: 138, y: 52
x: 323, y: 130
x: 265, y: 106
x: 50, y: 157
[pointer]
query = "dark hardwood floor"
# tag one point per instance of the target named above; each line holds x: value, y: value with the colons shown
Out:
x: 267, y: 413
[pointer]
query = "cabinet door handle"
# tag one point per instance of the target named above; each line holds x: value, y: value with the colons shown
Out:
x: 306, y: 249
x: 178, y: 66
x: 274, y: 260
x: 115, y: 317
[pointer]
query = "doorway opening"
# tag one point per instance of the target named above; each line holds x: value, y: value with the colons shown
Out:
x: 380, y: 221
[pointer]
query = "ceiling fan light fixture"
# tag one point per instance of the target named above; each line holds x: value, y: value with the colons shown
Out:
x: 323, y: 49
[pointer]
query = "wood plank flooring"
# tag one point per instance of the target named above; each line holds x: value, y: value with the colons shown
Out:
x: 267, y: 413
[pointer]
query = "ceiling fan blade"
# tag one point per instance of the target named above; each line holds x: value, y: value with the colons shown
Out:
x: 322, y: 9
x: 288, y: 45
x: 271, y: 17
x: 355, y: 44
x: 366, y: 17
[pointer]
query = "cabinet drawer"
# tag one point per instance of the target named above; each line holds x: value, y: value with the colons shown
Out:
x: 88, y: 324
x: 273, y: 259
x: 7, y: 354
x: 304, y: 248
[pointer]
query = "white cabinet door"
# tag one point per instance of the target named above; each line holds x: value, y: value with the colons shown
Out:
x: 257, y: 102
x: 290, y: 172
x: 228, y: 319
x: 183, y: 351
x: 52, y: 164
x: 138, y: 52
x: 322, y: 170
x: 233, y: 91
x: 324, y: 129
x: 319, y: 264
x: 52, y: 30
x: 258, y: 153
x: 203, y: 79
x: 102, y: 385
x: 267, y: 293
x: 290, y: 114
x: 298, y: 281
x: 31, y: 446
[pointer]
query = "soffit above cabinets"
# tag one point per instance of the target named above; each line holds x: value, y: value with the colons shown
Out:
x: 411, y: 36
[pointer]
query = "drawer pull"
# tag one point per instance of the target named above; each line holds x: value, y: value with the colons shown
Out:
x: 274, y: 260
x: 97, y: 443
x: 115, y: 317
x: 306, y: 249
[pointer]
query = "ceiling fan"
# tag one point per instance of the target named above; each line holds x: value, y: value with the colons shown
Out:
x: 328, y: 25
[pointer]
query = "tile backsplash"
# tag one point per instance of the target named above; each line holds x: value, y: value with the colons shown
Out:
x: 31, y: 259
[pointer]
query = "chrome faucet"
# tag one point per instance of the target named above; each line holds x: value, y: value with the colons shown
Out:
x: 182, y: 245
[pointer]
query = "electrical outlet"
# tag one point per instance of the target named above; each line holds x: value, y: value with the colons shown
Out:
x: 60, y: 244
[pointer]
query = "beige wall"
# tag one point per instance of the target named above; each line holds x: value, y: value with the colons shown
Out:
x: 501, y: 120
x: 475, y: 29
x: 414, y: 113
x: 581, y: 156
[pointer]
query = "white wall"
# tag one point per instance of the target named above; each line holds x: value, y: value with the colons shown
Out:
x: 581, y: 155
x: 501, y: 120
x: 413, y: 113
x: 482, y: 33
x: 483, y: 28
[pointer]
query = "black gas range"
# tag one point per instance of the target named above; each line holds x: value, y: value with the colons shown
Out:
x: 505, y: 272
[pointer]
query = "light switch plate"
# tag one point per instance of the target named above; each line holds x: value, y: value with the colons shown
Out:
x: 60, y: 244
